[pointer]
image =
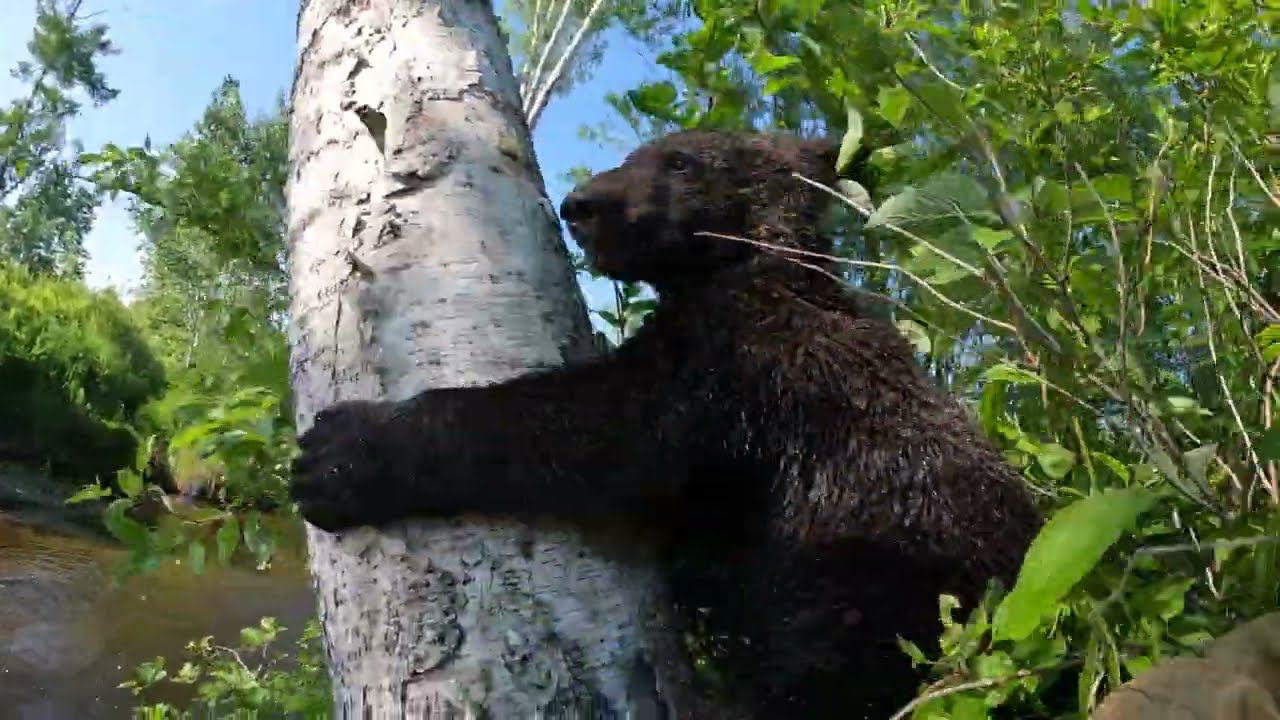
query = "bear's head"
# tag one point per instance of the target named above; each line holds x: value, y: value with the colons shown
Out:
x: 643, y: 220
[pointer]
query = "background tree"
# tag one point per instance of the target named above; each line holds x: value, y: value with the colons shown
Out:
x: 424, y: 253
x: 45, y: 211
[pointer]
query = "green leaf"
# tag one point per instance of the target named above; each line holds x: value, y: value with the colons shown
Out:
x: 1198, y: 461
x: 1068, y: 547
x: 897, y: 210
x: 766, y: 62
x: 968, y: 707
x: 990, y: 239
x: 946, y: 102
x: 1055, y: 460
x: 856, y: 194
x: 1269, y: 444
x: 228, y: 538
x: 123, y: 528
x: 1115, y: 465
x: 1012, y: 374
x: 913, y: 651
x: 947, y: 195
x: 1114, y: 188
x: 1268, y: 335
x: 893, y: 101
x: 916, y: 333
x: 1182, y: 405
x: 654, y: 98
x: 129, y: 481
x: 1165, y: 599
x: 852, y: 139
x: 88, y: 492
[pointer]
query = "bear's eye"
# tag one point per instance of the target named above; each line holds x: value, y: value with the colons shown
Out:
x: 679, y: 162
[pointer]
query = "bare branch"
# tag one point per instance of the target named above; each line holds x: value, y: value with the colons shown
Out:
x: 902, y: 231
x: 542, y: 57
x: 540, y: 101
x: 866, y: 263
x: 1123, y: 341
x: 1275, y: 200
x: 1217, y: 368
x: 999, y: 283
x: 915, y: 47
x: 535, y: 24
x: 959, y: 688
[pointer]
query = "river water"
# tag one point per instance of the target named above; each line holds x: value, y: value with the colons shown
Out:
x: 68, y: 637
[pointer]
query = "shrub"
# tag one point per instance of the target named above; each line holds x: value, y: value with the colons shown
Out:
x: 74, y: 370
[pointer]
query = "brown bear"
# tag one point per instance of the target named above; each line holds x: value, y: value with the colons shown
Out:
x: 815, y: 491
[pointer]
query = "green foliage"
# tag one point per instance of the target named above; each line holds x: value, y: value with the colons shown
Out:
x: 150, y: 538
x: 45, y: 211
x: 631, y: 304
x: 1069, y: 546
x: 74, y: 371
x: 251, y: 680
x: 1080, y: 211
x: 211, y: 209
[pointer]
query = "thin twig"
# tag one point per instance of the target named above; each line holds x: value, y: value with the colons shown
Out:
x: 1256, y: 175
x: 1217, y: 368
x: 1227, y: 276
x: 1268, y: 390
x: 995, y: 280
x: 933, y: 68
x: 1145, y: 267
x: 959, y: 688
x: 867, y: 263
x: 1243, y: 269
x: 967, y: 267
x: 1197, y: 546
x: 1123, y: 341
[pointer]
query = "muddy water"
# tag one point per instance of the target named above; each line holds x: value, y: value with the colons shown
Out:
x: 68, y: 637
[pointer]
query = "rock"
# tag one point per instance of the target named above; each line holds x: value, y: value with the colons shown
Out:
x: 1238, y: 678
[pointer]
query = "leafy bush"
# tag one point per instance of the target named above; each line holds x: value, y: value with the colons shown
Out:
x: 252, y: 680
x: 74, y: 370
x: 1076, y: 213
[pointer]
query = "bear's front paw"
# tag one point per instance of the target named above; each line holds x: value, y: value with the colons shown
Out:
x: 341, y: 479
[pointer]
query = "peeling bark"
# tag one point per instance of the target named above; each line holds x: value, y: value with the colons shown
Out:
x: 425, y: 253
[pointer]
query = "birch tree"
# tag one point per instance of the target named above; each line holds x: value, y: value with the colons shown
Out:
x: 424, y: 253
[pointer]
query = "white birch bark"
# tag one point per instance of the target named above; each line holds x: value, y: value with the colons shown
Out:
x: 425, y: 253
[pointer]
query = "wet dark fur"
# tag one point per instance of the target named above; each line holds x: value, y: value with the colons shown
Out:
x: 817, y: 490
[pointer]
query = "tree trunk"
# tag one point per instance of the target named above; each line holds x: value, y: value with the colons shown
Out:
x: 424, y: 253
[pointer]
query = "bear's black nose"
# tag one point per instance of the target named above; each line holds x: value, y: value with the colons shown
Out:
x: 576, y: 206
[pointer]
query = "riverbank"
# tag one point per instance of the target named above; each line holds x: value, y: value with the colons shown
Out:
x: 69, y: 635
x: 29, y: 496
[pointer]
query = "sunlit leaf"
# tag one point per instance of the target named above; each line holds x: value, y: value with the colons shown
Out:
x: 1069, y: 545
x: 1055, y: 460
x: 227, y: 538
x: 893, y: 101
x: 852, y: 139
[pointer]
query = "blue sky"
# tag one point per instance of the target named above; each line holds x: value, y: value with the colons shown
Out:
x: 173, y: 54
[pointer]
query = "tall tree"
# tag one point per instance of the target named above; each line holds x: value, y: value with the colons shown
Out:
x: 425, y: 253
x: 45, y: 211
x: 210, y: 209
